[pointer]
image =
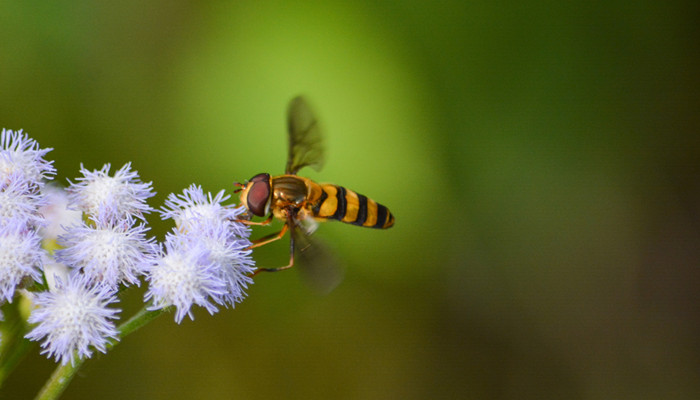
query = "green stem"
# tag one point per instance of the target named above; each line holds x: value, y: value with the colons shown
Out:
x: 13, y: 346
x: 138, y: 320
x: 59, y: 380
x: 62, y: 376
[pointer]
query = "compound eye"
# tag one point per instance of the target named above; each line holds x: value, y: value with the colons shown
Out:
x: 259, y: 194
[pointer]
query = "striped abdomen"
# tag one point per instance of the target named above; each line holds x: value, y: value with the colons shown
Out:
x: 339, y: 203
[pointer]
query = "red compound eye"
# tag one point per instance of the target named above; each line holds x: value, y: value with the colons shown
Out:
x: 259, y: 194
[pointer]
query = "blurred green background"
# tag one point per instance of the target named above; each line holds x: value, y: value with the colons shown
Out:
x: 541, y: 159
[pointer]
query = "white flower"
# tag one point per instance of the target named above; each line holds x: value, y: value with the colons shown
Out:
x: 22, y: 156
x: 111, y: 197
x: 184, y: 277
x: 19, y: 201
x: 193, y: 209
x: 73, y: 318
x: 20, y: 257
x: 110, y: 254
x: 230, y: 257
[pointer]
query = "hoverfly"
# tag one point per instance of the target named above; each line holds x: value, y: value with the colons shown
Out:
x: 299, y: 201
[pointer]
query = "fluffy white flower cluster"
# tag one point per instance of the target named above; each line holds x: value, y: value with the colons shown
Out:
x: 23, y: 172
x: 206, y: 261
x: 98, y: 230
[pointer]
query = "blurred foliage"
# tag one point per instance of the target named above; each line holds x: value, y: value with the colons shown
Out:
x: 541, y: 159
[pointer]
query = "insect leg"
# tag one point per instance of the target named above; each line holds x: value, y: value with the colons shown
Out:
x: 263, y: 223
x: 239, y: 185
x: 291, y: 259
x: 269, y: 238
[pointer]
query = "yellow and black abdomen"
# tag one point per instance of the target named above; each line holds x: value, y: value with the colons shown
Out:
x: 339, y: 203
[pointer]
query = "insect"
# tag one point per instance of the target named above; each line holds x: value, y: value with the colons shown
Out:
x: 299, y: 201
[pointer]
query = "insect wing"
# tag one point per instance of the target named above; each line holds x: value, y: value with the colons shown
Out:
x: 305, y: 139
x: 317, y: 265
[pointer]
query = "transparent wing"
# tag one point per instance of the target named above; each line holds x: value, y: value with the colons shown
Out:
x: 305, y: 140
x: 317, y: 265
